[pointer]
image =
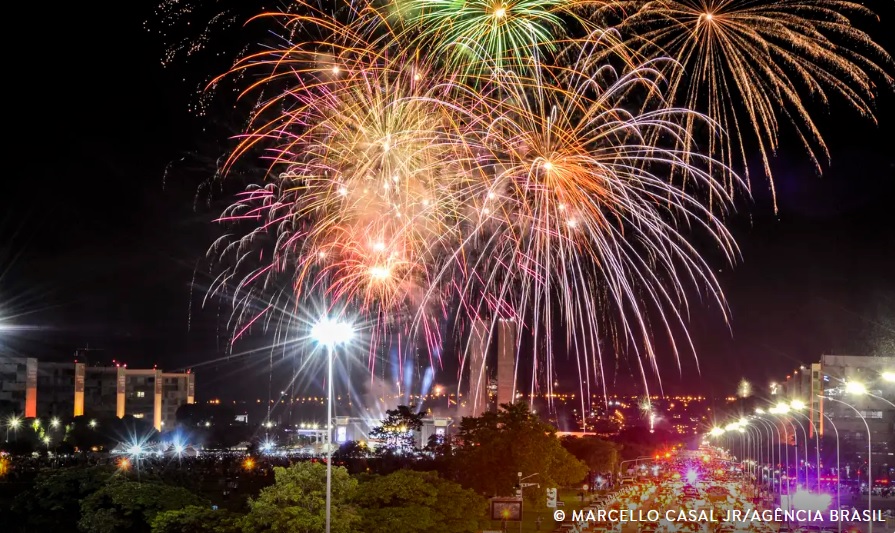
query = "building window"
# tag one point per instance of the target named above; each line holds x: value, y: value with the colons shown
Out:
x: 141, y: 394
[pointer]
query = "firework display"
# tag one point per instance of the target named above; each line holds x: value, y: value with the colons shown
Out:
x: 751, y: 65
x: 436, y: 161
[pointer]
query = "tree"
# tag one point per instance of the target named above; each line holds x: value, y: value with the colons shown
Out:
x: 496, y: 446
x: 396, y: 431
x: 195, y: 519
x: 351, y: 450
x: 599, y: 455
x: 296, y: 502
x: 130, y: 506
x: 52, y: 503
x: 418, y: 502
x: 880, y: 325
x: 100, y: 433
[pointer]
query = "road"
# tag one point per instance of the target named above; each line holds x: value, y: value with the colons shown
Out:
x: 706, y: 482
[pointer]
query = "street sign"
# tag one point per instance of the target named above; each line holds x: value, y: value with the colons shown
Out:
x: 506, y: 509
x: 551, y: 498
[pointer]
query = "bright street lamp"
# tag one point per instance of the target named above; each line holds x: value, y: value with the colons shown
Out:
x: 54, y: 423
x: 330, y: 333
x: 859, y: 389
x: 797, y: 405
x: 856, y: 388
x: 14, y: 424
x: 888, y: 376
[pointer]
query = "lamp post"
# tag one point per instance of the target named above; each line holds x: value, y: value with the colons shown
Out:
x: 869, y: 456
x: 751, y: 454
x: 838, y: 493
x: 772, y: 465
x: 330, y: 333
x: 859, y: 389
x: 14, y: 424
x: 522, y: 486
x: 804, y: 446
x: 782, y: 409
x: 795, y: 407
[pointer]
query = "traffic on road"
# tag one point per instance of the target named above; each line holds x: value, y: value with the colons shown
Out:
x: 704, y: 491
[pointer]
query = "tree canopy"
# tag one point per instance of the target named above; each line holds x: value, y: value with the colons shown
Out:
x: 396, y: 431
x: 296, y: 502
x: 599, y: 455
x: 130, y: 506
x: 53, y: 500
x: 196, y: 519
x: 417, y: 502
x: 507, y: 442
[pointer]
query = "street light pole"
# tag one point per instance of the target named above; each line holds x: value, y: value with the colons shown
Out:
x: 14, y: 422
x: 838, y: 493
x: 330, y: 333
x: 521, y: 486
x: 329, y: 434
x: 869, y: 456
x: 772, y: 464
x: 796, y: 411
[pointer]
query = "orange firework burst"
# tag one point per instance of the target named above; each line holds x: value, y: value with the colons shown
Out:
x: 751, y: 64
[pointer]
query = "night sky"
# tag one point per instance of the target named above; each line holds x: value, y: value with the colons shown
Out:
x: 98, y: 244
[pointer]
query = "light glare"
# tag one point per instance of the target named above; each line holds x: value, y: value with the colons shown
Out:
x: 856, y: 388
x: 329, y: 332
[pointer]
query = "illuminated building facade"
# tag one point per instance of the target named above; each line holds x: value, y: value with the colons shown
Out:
x: 358, y: 429
x: 834, y: 372
x: 18, y: 385
x: 34, y: 389
x: 847, y: 391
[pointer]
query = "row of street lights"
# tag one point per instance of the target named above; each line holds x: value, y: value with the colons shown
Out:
x: 786, y: 413
x: 14, y: 422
